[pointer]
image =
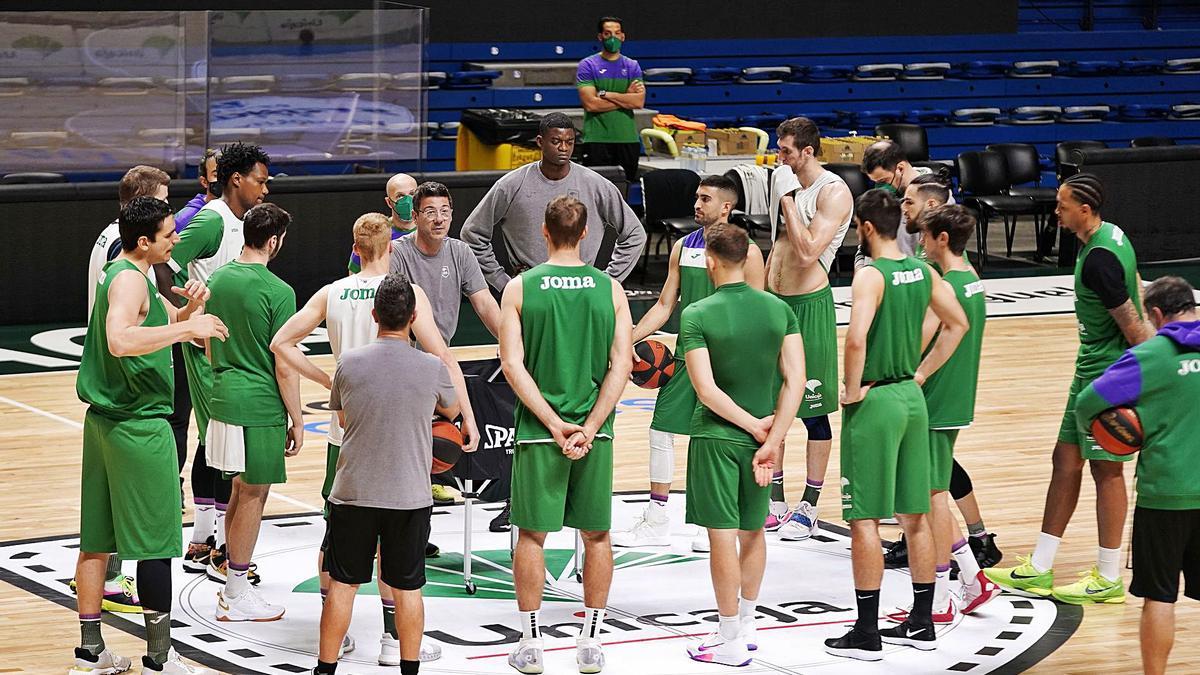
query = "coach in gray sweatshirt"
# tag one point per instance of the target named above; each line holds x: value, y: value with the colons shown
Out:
x: 516, y: 203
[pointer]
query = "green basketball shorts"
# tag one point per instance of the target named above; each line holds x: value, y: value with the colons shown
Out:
x: 1069, y: 431
x: 818, y: 327
x: 200, y: 385
x: 675, y: 404
x: 264, y: 455
x: 721, y: 490
x: 549, y: 490
x: 941, y: 458
x: 885, y: 453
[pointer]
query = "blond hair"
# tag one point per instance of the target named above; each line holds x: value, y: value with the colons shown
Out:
x: 371, y: 236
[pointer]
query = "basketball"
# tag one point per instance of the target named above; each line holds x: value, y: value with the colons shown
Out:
x: 1119, y: 431
x: 656, y: 367
x: 447, y: 445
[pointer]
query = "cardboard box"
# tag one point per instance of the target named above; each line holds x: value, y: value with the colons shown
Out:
x: 845, y: 150
x: 734, y: 142
x: 683, y: 138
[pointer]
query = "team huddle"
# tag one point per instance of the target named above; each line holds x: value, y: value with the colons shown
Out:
x: 757, y: 349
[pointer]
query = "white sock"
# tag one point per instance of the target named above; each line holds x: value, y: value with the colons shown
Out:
x: 219, y: 527
x: 1044, y: 552
x: 529, y: 625
x: 747, y: 609
x: 941, y: 589
x: 1109, y: 562
x: 593, y: 619
x: 206, y: 522
x: 236, y: 582
x: 968, y: 566
x: 728, y: 627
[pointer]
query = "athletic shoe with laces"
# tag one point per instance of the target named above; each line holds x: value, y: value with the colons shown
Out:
x: 801, y: 525
x: 218, y: 568
x: 856, y: 644
x: 652, y: 528
x: 501, y: 523
x: 977, y: 593
x: 527, y: 657
x: 716, y: 649
x: 777, y: 515
x: 942, y: 616
x: 432, y: 550
x: 174, y: 665
x: 124, y: 600
x: 748, y: 633
x: 195, y: 561
x: 985, y: 550
x: 104, y: 663
x: 389, y: 651
x: 589, y: 656
x: 348, y: 645
x: 1091, y: 587
x: 249, y: 606
x: 700, y: 541
x: 895, y: 556
x: 1023, y: 579
x: 444, y: 495
x: 917, y: 637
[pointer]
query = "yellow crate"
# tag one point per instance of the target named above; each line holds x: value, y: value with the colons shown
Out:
x: 472, y: 154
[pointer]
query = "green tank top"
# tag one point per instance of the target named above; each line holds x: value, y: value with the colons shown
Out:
x: 1101, y: 341
x: 694, y: 283
x: 128, y: 387
x: 567, y: 323
x: 950, y: 391
x: 894, y: 341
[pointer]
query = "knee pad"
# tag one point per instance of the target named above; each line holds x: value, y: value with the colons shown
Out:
x: 960, y: 482
x: 818, y: 428
x: 154, y: 584
x: 662, y: 456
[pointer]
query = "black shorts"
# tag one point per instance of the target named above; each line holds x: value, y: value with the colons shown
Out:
x: 624, y: 155
x: 354, y: 532
x: 1165, y: 543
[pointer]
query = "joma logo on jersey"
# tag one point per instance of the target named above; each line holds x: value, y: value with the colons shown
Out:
x: 907, y: 276
x: 973, y: 288
x: 1189, y: 366
x: 568, y: 283
x: 357, y: 294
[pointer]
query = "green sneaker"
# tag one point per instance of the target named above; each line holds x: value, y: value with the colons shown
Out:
x: 1091, y: 587
x: 1023, y: 578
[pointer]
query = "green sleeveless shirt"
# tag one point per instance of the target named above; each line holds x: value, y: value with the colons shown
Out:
x: 1101, y: 341
x: 894, y: 340
x: 950, y: 391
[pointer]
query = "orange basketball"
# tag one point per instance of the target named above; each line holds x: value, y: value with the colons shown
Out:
x: 1119, y: 431
x: 656, y: 367
x: 447, y: 445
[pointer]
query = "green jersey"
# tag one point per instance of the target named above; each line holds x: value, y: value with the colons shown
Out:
x: 894, y: 340
x: 254, y: 304
x: 613, y: 126
x: 567, y: 324
x: 1101, y: 341
x: 950, y: 391
x: 743, y: 329
x: 127, y: 387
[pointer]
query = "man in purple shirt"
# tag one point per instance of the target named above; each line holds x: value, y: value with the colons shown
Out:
x: 208, y: 181
x: 610, y: 89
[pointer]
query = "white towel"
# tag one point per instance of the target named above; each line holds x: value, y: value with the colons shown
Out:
x: 754, y: 182
x: 783, y: 182
x: 225, y: 447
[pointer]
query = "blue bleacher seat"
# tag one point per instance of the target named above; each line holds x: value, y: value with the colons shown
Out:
x: 470, y: 79
x: 1035, y: 68
x: 972, y: 117
x: 1034, y: 114
x: 1185, y: 111
x: 828, y: 73
x: 715, y: 75
x: 878, y: 71
x: 766, y: 121
x: 871, y: 118
x: 666, y: 76
x: 1140, y: 66
x: 1085, y: 113
x: 1190, y: 66
x: 716, y: 121
x: 926, y: 71
x: 1141, y: 112
x: 447, y: 131
x: 821, y: 119
x: 928, y: 116
x: 1092, y: 68
x: 982, y: 70
x: 764, y: 74
x: 428, y: 80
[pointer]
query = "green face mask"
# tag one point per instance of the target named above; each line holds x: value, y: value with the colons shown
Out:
x: 612, y: 44
x: 887, y: 186
x: 403, y: 207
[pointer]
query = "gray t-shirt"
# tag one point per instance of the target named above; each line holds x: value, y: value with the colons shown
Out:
x: 388, y: 390
x: 445, y: 277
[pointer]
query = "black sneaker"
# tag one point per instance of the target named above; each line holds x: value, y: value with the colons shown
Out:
x: 918, y: 637
x: 432, y: 550
x: 500, y: 522
x: 984, y: 548
x: 856, y: 645
x: 896, y: 555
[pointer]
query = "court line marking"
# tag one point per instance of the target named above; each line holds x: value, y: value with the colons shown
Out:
x: 293, y: 501
x: 44, y: 413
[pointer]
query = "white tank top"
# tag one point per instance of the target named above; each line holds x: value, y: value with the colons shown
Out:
x: 806, y: 204
x: 349, y: 322
x: 232, y: 240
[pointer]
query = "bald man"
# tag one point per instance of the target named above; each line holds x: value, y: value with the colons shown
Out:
x: 398, y: 197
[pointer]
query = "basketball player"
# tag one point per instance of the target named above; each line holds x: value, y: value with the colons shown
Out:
x: 565, y: 348
x: 253, y: 397
x: 398, y: 196
x: 687, y: 281
x: 345, y: 307
x: 386, y: 391
x: 737, y: 430
x: 950, y: 400
x: 885, y: 163
x: 125, y: 378
x: 1160, y: 378
x: 816, y: 218
x: 212, y: 238
x: 1108, y: 305
x: 885, y: 424
x: 120, y: 592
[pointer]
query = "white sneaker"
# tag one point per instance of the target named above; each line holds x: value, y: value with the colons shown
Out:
x: 778, y: 513
x: 652, y: 528
x: 389, y: 651
x: 748, y: 633
x: 801, y: 525
x: 347, y: 646
x: 249, y: 606
x: 715, y: 649
x: 700, y: 541
x: 106, y: 663
x: 175, y: 665
x: 589, y: 655
x: 527, y: 657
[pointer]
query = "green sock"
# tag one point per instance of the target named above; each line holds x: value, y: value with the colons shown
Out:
x: 158, y: 635
x: 114, y: 567
x: 89, y: 633
x: 389, y: 619
x: 777, y: 487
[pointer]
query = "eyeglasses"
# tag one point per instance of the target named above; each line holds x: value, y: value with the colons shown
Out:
x: 432, y: 213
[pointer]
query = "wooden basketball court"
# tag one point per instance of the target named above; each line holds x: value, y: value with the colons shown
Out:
x: 1027, y: 366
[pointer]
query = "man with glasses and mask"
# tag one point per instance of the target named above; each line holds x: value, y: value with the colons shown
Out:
x: 884, y: 162
x: 399, y: 200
